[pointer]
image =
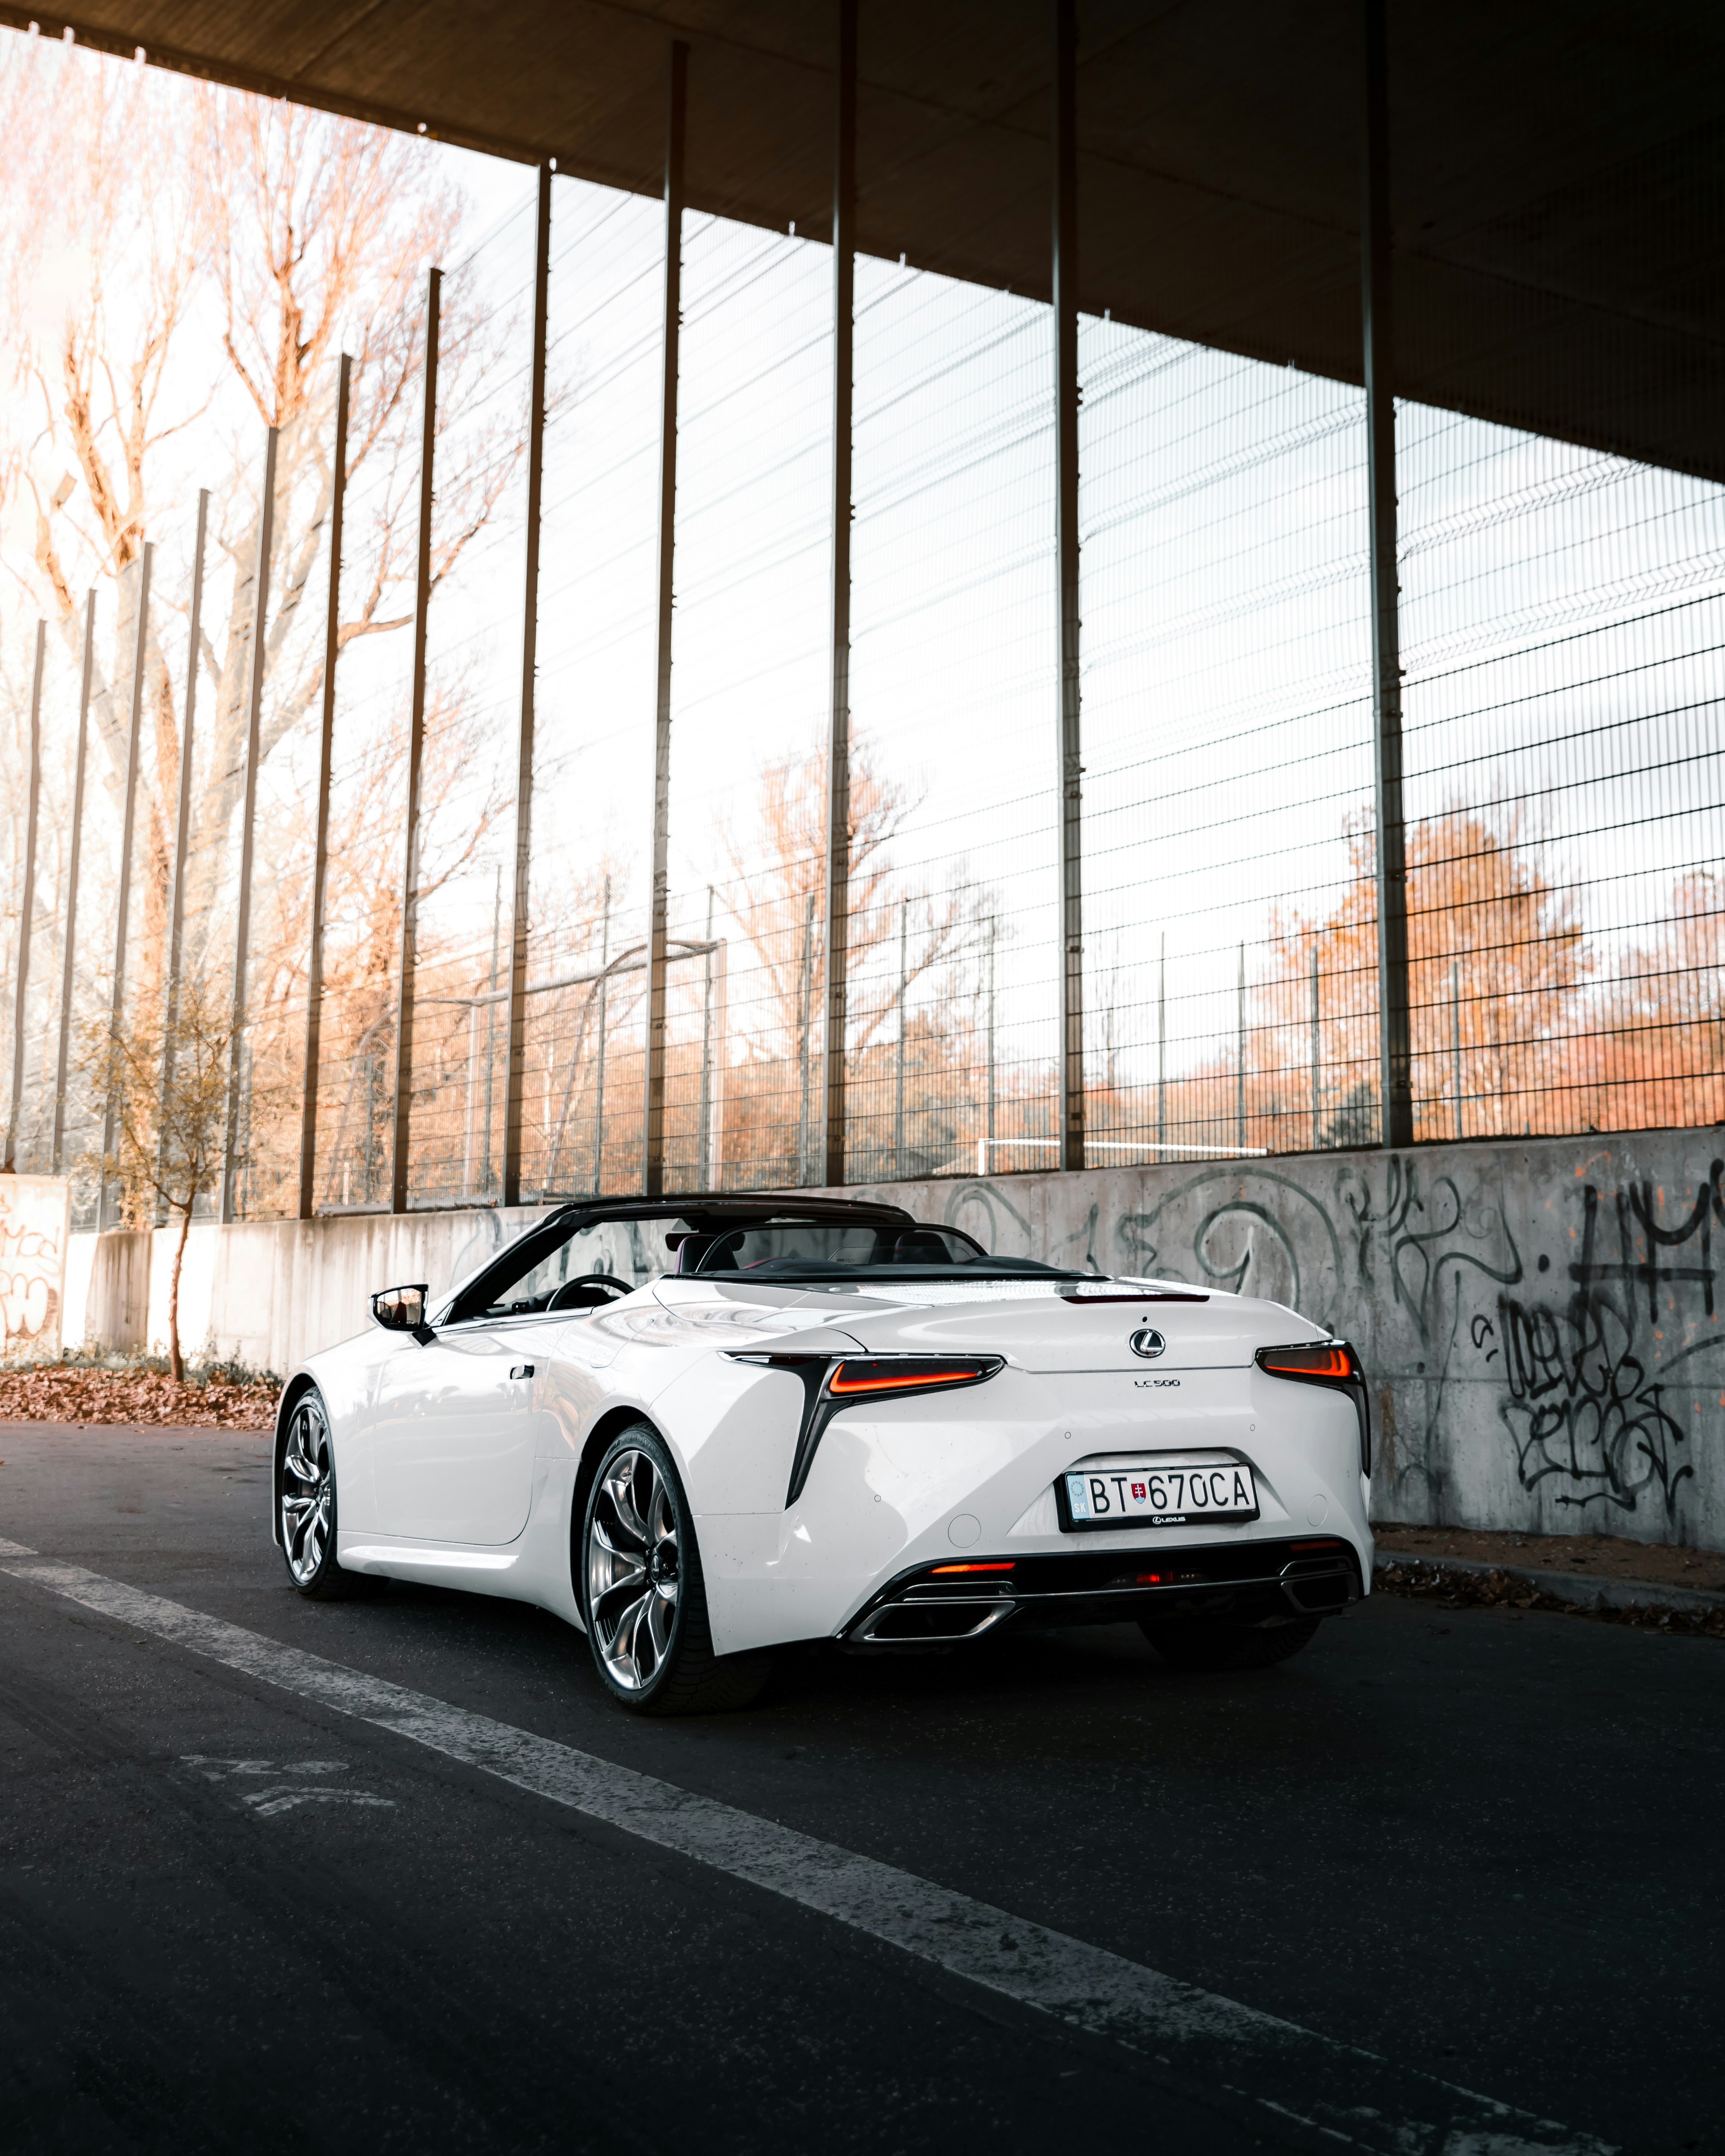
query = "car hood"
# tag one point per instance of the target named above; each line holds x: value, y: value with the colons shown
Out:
x: 1088, y: 1325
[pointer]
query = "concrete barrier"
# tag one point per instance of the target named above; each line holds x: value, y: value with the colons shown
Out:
x: 1540, y: 1319
x: 117, y: 1312
x: 268, y: 1293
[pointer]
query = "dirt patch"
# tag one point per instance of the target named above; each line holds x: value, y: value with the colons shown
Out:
x: 148, y: 1397
x: 1599, y: 1557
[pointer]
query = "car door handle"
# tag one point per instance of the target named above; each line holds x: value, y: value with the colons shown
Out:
x: 522, y: 1370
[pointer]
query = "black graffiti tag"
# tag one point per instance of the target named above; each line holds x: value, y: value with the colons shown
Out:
x: 1581, y: 1404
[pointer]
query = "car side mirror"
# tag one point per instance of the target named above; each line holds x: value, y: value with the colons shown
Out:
x: 402, y: 1310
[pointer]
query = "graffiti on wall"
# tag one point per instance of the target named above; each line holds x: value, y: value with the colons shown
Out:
x: 35, y: 1218
x: 1592, y: 1375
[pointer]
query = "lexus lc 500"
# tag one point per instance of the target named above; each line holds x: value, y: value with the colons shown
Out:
x: 703, y: 1428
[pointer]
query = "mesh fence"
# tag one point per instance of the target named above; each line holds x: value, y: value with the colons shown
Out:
x: 751, y: 692
x: 1563, y: 612
x: 1228, y: 728
x: 472, y: 702
x: 593, y: 779
x: 954, y: 680
x: 1562, y: 608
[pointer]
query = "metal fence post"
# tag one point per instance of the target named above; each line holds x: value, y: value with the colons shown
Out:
x: 491, y: 1033
x: 1455, y: 1038
x: 898, y: 1058
x: 27, y: 905
x: 1162, y: 1043
x: 514, y: 1088
x: 416, y: 768
x: 993, y: 925
x: 720, y: 962
x: 703, y: 1154
x: 838, y: 920
x: 1240, y: 1056
x: 248, y: 824
x: 653, y: 1118
x: 123, y: 897
x: 805, y: 1014
x: 182, y: 839
x: 1065, y: 329
x: 71, y: 930
x: 1395, y: 1054
x: 599, y: 1095
x: 325, y: 766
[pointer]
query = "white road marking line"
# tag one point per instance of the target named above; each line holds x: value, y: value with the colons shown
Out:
x: 1352, y: 2096
x: 285, y: 1796
x: 267, y: 1803
x: 219, y: 1770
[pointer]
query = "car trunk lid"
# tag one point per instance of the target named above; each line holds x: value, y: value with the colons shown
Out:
x: 1168, y: 1328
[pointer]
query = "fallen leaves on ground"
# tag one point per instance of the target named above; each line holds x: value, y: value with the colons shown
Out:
x: 1598, y: 1556
x: 1504, y: 1590
x: 150, y: 1397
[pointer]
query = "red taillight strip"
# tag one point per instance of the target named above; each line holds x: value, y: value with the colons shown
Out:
x: 1309, y: 1362
x: 838, y: 1382
x: 936, y: 1570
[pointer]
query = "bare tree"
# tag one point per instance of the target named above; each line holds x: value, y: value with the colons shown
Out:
x: 169, y: 1087
x: 779, y: 869
x: 320, y: 231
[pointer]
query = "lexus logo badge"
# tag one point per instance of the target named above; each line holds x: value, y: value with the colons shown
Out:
x: 1147, y: 1342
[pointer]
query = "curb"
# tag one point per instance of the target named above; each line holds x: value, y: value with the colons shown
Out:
x: 1580, y: 1588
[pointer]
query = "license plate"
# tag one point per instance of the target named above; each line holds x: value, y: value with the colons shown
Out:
x: 1173, y: 1497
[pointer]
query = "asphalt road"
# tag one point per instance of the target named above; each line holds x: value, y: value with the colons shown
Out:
x: 1485, y: 1848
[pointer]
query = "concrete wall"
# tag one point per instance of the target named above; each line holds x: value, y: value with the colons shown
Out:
x: 1540, y: 1319
x: 117, y: 1291
x: 268, y: 1293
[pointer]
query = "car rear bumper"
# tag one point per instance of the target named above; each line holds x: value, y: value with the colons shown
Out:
x: 1230, y: 1584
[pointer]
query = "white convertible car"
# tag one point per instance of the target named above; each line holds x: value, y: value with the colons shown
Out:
x: 704, y: 1428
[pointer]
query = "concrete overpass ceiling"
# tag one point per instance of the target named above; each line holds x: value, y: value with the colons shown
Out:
x: 1559, y: 221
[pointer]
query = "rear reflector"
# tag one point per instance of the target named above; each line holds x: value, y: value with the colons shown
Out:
x: 939, y: 1571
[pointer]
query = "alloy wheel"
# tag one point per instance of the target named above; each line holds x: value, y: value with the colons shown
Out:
x: 308, y: 1491
x: 633, y: 1570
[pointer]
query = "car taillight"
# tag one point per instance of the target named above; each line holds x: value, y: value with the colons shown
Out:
x: 1331, y: 1362
x: 906, y: 1373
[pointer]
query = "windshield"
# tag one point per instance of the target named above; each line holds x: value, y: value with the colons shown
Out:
x: 828, y: 1250
x: 632, y: 1253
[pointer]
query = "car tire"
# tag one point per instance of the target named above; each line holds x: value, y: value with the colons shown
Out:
x: 643, y: 1597
x: 1218, y: 1647
x: 305, y: 1505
